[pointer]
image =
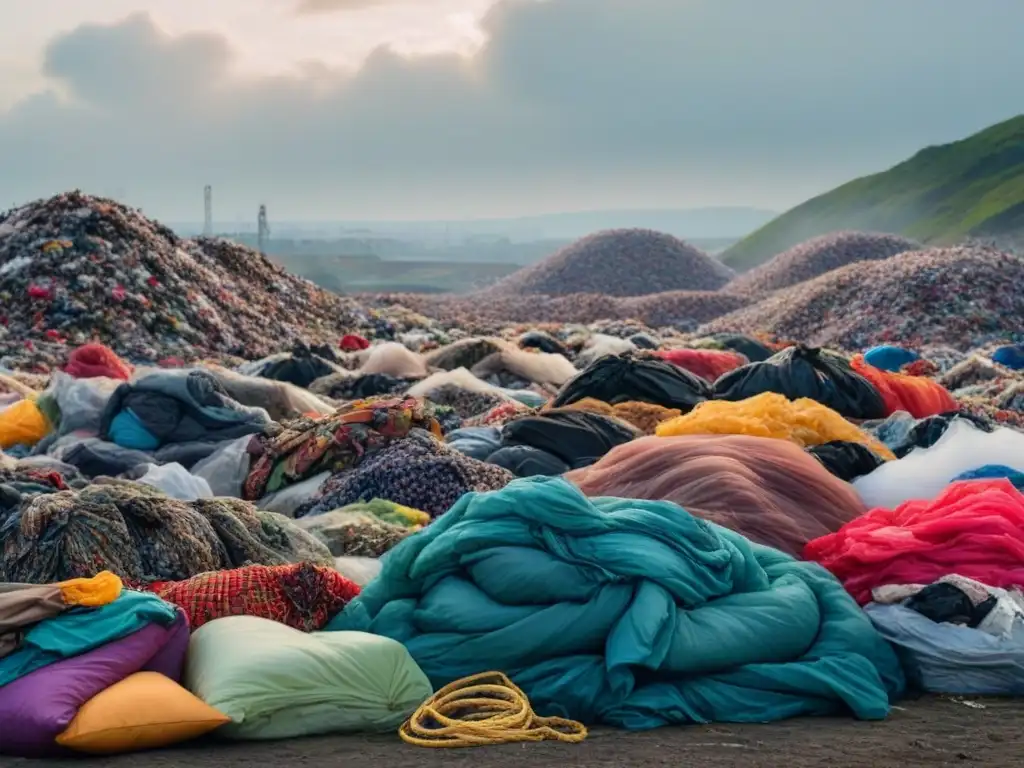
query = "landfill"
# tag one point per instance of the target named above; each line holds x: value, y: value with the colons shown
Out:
x: 471, y: 529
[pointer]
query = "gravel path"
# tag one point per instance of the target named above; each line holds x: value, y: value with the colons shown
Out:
x: 933, y: 732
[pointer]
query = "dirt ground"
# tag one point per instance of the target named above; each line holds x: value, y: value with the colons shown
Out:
x: 932, y: 731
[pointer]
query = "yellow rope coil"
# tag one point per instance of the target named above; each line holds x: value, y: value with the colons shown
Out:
x: 480, y: 710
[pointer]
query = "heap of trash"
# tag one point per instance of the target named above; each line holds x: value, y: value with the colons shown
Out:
x: 522, y: 533
x: 819, y: 255
x: 76, y: 268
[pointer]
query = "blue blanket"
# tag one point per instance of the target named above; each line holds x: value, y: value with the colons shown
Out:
x: 631, y: 613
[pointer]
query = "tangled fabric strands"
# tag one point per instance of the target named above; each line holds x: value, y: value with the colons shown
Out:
x: 144, y: 536
x: 482, y: 710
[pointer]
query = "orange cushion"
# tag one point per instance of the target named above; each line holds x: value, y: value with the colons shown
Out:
x: 144, y: 711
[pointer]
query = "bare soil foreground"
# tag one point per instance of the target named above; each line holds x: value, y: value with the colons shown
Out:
x: 932, y: 731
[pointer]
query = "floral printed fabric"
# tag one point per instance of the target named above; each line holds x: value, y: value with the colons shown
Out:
x: 307, y: 446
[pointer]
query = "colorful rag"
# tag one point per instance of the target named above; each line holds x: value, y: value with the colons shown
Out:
x: 303, y: 596
x: 307, y: 447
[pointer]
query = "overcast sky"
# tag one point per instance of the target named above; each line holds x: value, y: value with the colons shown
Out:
x: 348, y: 109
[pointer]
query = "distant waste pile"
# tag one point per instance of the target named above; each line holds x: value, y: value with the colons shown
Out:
x: 679, y: 309
x: 962, y: 297
x: 619, y: 262
x: 74, y: 268
x: 819, y: 255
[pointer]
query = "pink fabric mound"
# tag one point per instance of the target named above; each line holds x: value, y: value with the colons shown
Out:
x: 974, y: 529
x: 709, y: 364
x: 768, y: 490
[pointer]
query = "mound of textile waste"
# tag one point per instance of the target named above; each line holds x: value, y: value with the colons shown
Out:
x: 643, y: 416
x: 364, y: 529
x: 631, y: 613
x: 806, y: 372
x: 804, y: 421
x: 617, y: 379
x: 142, y: 535
x: 301, y: 595
x: 557, y: 440
x: 619, y: 262
x: 955, y: 635
x: 709, y: 364
x: 819, y: 255
x: 64, y: 646
x: 418, y: 471
x: 308, y: 447
x: 75, y: 267
x: 963, y: 297
x: 919, y: 396
x: 773, y: 493
x: 974, y: 528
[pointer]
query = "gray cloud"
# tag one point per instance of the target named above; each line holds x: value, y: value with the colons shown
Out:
x: 572, y: 104
x: 309, y: 7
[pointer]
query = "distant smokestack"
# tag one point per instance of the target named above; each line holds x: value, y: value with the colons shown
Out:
x: 208, y: 211
x: 262, y: 230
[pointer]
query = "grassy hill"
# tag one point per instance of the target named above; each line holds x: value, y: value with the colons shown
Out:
x: 974, y: 186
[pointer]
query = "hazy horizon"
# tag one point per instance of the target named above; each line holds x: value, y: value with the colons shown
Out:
x: 452, y: 110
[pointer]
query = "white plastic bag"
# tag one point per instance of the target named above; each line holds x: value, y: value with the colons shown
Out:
x: 925, y: 472
x: 226, y: 468
x: 81, y: 401
x: 361, y: 570
x: 176, y: 482
x: 289, y: 499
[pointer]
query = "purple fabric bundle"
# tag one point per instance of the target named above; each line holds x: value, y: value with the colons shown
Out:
x: 36, y: 708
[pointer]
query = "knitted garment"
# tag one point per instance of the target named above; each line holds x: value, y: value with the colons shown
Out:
x: 307, y: 447
x: 141, y: 535
x: 418, y: 472
x: 303, y: 596
x: 466, y: 403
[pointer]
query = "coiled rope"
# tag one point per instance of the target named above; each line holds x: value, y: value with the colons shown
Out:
x: 481, y: 710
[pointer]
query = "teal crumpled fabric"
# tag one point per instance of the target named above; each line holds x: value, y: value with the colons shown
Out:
x: 625, y: 612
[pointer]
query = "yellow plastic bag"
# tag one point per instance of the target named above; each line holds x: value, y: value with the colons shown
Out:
x: 805, y: 422
x: 22, y: 424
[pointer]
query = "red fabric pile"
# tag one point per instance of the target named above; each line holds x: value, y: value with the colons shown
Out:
x: 918, y: 396
x: 303, y: 596
x: 974, y: 529
x: 352, y: 342
x: 92, y: 361
x: 709, y: 364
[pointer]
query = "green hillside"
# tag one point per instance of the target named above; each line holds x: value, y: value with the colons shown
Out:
x: 974, y: 186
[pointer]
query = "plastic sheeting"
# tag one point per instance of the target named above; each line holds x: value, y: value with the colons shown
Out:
x: 799, y: 372
x: 925, y: 472
x: 771, y: 492
x: 946, y: 658
x: 974, y: 528
x: 630, y: 613
x: 176, y: 482
x: 622, y: 379
x: 226, y: 468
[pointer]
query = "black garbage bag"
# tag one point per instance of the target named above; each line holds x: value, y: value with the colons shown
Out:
x: 802, y: 371
x: 644, y: 341
x: 846, y: 460
x: 545, y: 342
x: 578, y: 438
x: 750, y: 348
x: 301, y: 368
x: 527, y: 461
x: 625, y: 378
